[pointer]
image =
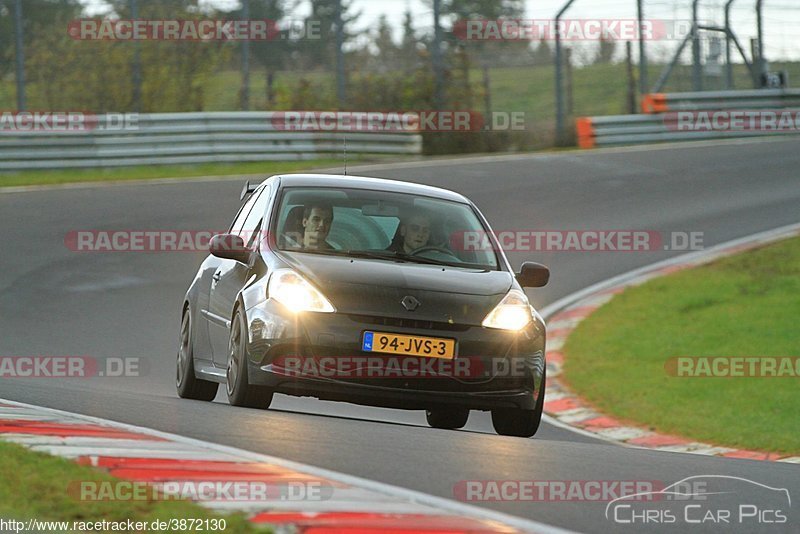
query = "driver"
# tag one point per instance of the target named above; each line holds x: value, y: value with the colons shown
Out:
x: 415, y: 232
x: 317, y: 219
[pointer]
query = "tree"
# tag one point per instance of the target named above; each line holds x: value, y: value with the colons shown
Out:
x: 273, y: 54
x: 385, y: 45
x: 495, y: 52
x: 408, y: 52
x: 36, y: 14
x: 6, y: 37
x: 122, y: 7
x: 487, y: 52
x: 543, y: 55
x: 97, y: 75
x: 487, y: 9
x: 605, y: 50
x: 322, y: 52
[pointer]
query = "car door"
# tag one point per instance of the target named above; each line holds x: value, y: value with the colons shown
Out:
x: 231, y: 276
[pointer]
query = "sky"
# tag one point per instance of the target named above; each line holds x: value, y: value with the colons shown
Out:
x: 781, y: 17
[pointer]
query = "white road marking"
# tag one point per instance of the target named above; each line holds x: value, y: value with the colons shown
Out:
x: 414, y: 499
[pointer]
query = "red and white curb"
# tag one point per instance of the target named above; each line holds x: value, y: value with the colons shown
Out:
x: 146, y: 456
x: 566, y: 409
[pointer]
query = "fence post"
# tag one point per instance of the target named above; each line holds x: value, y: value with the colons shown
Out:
x: 341, y: 87
x: 762, y: 62
x: 697, y: 65
x: 244, y: 93
x: 137, y: 62
x: 728, y: 30
x: 642, y: 52
x: 631, y: 78
x: 560, y: 120
x: 21, y: 105
x: 436, y: 56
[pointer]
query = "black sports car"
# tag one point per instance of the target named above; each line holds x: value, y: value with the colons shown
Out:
x: 369, y: 291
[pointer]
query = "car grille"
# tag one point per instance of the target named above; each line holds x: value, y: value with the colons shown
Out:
x: 408, y: 323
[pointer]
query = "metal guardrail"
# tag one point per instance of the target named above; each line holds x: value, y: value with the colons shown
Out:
x: 638, y: 129
x: 662, y: 119
x: 711, y: 100
x: 189, y: 138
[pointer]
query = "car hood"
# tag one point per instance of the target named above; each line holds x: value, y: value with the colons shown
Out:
x: 376, y: 288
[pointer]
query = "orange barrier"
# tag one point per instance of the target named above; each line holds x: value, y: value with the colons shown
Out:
x: 654, y: 103
x: 585, y: 130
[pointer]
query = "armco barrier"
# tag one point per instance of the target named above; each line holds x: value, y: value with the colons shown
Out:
x: 185, y: 138
x: 658, y: 123
x: 617, y: 130
x: 711, y: 100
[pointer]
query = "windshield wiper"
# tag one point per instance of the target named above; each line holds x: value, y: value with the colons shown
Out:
x: 376, y: 255
x: 322, y: 251
x: 398, y: 256
x: 391, y: 256
x: 428, y: 261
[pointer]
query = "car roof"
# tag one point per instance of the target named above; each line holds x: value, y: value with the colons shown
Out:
x: 363, y: 182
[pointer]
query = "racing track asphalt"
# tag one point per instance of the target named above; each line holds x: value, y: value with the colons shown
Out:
x: 57, y: 302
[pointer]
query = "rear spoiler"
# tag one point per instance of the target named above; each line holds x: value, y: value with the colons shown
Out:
x: 247, y: 190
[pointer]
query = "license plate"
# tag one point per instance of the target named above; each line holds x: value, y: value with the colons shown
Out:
x: 431, y: 347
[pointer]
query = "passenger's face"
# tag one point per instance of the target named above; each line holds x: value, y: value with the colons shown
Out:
x: 416, y: 231
x: 317, y: 226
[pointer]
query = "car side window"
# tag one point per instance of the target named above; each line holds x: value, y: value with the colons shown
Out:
x: 238, y: 222
x: 252, y: 225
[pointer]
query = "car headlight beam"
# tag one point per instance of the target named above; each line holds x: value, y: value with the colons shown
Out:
x: 296, y: 293
x: 512, y: 313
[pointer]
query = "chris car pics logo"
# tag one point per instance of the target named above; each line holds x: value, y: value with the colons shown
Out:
x: 706, y: 500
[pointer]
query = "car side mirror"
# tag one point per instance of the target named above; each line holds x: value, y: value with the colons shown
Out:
x: 533, y: 275
x: 229, y: 247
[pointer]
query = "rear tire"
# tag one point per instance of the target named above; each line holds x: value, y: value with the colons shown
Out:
x: 240, y: 391
x: 518, y: 422
x: 188, y: 385
x: 447, y: 418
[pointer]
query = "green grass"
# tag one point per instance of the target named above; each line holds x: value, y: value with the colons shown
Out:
x: 745, y: 305
x: 166, y: 171
x: 35, y: 485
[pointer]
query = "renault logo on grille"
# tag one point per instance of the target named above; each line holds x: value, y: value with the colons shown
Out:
x: 410, y: 303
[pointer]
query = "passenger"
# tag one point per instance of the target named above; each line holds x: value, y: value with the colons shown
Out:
x: 414, y: 232
x: 317, y: 219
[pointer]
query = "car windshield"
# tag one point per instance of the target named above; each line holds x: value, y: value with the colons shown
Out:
x: 380, y: 225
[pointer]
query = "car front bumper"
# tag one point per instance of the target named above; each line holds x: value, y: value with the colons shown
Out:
x: 320, y: 355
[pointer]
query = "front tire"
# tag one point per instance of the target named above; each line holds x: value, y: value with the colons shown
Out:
x: 240, y: 391
x: 518, y: 422
x: 188, y: 385
x: 447, y: 418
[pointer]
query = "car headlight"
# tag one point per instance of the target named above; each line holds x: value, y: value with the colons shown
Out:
x: 294, y: 292
x: 513, y: 312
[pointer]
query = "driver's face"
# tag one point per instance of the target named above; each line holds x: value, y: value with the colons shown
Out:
x: 317, y: 226
x: 416, y: 232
